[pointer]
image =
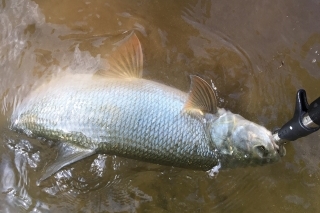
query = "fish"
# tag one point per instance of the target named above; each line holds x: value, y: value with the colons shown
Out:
x: 116, y: 112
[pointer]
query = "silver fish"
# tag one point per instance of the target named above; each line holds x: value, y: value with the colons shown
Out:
x: 117, y: 112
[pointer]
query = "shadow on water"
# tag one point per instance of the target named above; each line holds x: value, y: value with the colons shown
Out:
x: 257, y: 55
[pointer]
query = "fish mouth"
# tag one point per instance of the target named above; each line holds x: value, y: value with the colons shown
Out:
x: 278, y: 147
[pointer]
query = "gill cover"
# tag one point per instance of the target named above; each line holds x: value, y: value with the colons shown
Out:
x: 241, y: 142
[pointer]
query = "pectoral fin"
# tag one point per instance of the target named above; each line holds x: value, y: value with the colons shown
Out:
x: 202, y: 98
x: 67, y: 154
x: 126, y: 61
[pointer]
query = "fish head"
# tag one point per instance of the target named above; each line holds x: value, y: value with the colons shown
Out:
x: 240, y: 142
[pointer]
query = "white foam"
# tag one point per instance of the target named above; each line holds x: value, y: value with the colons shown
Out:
x: 214, y: 171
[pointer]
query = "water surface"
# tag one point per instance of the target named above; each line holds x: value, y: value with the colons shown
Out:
x: 258, y: 54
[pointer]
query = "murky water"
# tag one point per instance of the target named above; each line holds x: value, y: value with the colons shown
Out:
x: 257, y: 53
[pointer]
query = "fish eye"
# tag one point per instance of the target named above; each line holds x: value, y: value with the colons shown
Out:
x: 261, y: 148
x: 262, y: 151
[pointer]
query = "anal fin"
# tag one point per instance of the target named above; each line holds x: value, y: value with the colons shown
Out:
x: 67, y: 154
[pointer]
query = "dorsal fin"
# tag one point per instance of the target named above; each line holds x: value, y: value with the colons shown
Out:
x: 201, y: 96
x: 126, y: 61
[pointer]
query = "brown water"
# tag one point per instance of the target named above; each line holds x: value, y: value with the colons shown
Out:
x: 258, y: 53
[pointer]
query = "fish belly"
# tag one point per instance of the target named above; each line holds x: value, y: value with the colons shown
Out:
x: 133, y: 118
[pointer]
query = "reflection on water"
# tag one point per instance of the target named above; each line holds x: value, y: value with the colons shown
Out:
x: 257, y: 55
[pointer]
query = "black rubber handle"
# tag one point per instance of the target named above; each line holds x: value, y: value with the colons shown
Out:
x: 314, y: 111
x: 294, y: 128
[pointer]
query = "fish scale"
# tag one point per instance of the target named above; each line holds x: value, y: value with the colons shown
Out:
x: 115, y: 111
x: 134, y: 118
